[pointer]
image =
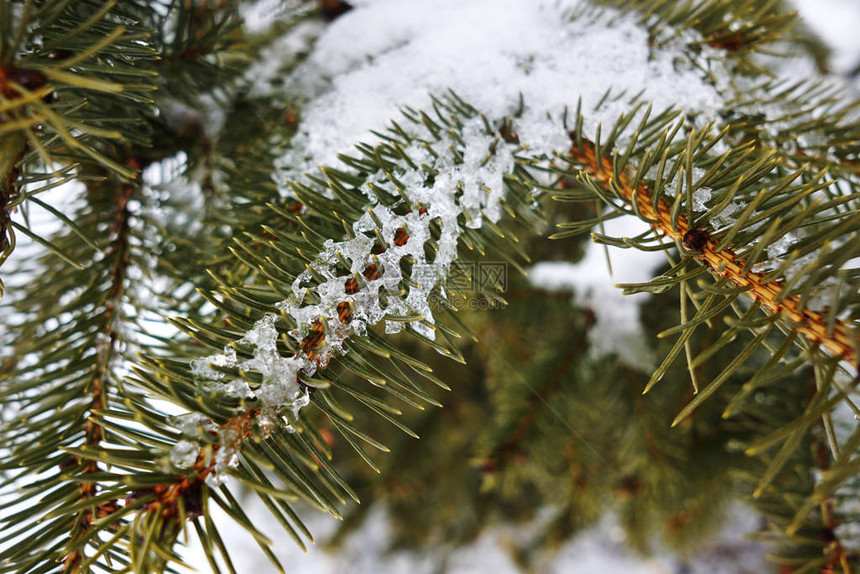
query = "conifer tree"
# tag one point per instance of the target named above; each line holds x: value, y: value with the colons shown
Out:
x: 213, y: 318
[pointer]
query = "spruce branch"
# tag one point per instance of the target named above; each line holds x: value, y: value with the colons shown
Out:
x: 69, y: 379
x: 106, y: 343
x: 66, y: 106
x: 680, y: 188
x: 835, y: 336
x: 741, y: 29
x: 835, y: 553
x: 12, y: 149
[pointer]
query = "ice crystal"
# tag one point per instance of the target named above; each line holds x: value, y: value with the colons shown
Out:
x: 780, y: 247
x: 725, y: 218
x: 184, y: 454
x: 192, y: 424
x: 700, y: 197
x: 203, y: 367
x: 471, y: 187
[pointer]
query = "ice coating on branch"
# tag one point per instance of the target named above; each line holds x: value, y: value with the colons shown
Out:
x: 203, y: 367
x: 825, y: 291
x: 471, y: 187
x: 701, y: 194
x: 279, y: 387
x: 226, y: 458
x: 700, y: 197
x: 192, y: 425
x: 468, y: 164
x: 725, y: 218
x: 780, y: 247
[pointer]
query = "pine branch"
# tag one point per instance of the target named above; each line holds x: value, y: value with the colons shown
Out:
x: 835, y: 552
x: 834, y: 336
x: 12, y: 150
x: 669, y: 182
x: 106, y: 343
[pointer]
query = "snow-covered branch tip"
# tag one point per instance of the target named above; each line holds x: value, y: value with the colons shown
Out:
x: 445, y: 180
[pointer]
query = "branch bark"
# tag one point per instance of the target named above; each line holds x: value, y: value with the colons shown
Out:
x: 840, y: 341
x: 117, y: 253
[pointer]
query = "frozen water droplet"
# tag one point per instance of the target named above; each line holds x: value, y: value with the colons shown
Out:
x: 700, y: 197
x: 184, y: 454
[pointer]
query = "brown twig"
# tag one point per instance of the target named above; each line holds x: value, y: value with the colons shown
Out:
x: 8, y: 193
x: 117, y: 252
x: 840, y: 341
x: 835, y: 551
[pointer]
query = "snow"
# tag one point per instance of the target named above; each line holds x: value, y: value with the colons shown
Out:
x: 387, y: 54
x: 259, y: 15
x: 618, y: 330
x: 598, y: 550
x: 835, y: 21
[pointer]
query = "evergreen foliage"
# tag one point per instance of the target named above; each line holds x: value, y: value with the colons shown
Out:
x: 190, y: 323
